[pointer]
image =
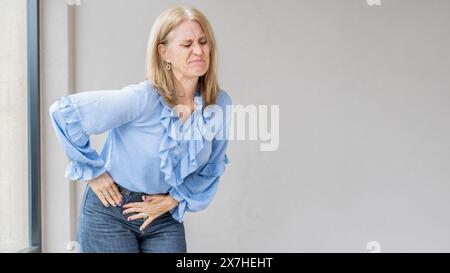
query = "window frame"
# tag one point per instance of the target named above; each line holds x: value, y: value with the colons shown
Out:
x: 33, y: 109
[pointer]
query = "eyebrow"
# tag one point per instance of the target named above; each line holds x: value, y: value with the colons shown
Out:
x: 190, y: 40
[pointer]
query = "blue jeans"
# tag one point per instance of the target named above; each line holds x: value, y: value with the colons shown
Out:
x: 106, y: 229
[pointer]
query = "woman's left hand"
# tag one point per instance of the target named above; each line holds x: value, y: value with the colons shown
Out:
x: 151, y: 207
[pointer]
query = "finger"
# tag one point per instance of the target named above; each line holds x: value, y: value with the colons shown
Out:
x: 133, y: 205
x: 131, y: 210
x: 146, y: 223
x: 148, y: 198
x: 109, y: 198
x: 113, y: 195
x: 117, y: 193
x: 135, y: 217
x: 102, y: 198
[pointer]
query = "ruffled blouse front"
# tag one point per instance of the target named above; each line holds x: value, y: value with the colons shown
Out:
x: 182, y: 141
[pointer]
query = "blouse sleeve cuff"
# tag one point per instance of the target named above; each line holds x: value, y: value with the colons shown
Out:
x: 77, y: 171
x: 175, y: 195
x: 178, y: 211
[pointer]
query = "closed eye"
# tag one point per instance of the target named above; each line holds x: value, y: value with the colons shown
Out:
x: 188, y: 45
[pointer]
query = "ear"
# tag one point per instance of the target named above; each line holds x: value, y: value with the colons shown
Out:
x: 162, y: 50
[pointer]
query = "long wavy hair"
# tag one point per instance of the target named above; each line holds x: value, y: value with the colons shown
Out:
x: 155, y: 66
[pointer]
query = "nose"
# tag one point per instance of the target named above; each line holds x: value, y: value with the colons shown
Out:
x: 197, y: 49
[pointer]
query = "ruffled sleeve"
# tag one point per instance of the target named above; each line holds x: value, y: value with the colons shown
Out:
x: 85, y: 163
x: 198, y: 189
x: 195, y: 190
x: 75, y: 117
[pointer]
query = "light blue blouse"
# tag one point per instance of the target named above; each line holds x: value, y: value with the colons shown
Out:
x: 148, y: 148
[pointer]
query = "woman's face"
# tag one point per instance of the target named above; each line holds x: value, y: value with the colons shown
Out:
x: 187, y: 50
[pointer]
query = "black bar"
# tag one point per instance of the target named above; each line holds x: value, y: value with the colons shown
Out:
x: 240, y: 262
x: 34, y: 174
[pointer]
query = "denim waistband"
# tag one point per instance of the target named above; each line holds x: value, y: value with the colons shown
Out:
x: 123, y: 189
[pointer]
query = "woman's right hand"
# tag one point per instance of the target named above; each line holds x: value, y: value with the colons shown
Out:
x: 106, y: 190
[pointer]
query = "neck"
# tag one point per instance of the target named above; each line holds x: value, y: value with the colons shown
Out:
x: 185, y: 89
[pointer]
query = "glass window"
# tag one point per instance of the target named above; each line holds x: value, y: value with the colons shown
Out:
x: 14, y: 226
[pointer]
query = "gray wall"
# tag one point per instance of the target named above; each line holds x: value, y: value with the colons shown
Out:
x: 57, y: 219
x: 364, y: 111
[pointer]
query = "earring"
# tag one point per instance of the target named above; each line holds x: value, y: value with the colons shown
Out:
x: 168, y: 66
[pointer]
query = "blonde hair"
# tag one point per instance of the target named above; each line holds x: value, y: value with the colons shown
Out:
x: 155, y: 66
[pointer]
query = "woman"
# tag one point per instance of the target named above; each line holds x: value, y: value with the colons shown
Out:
x: 165, y: 149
